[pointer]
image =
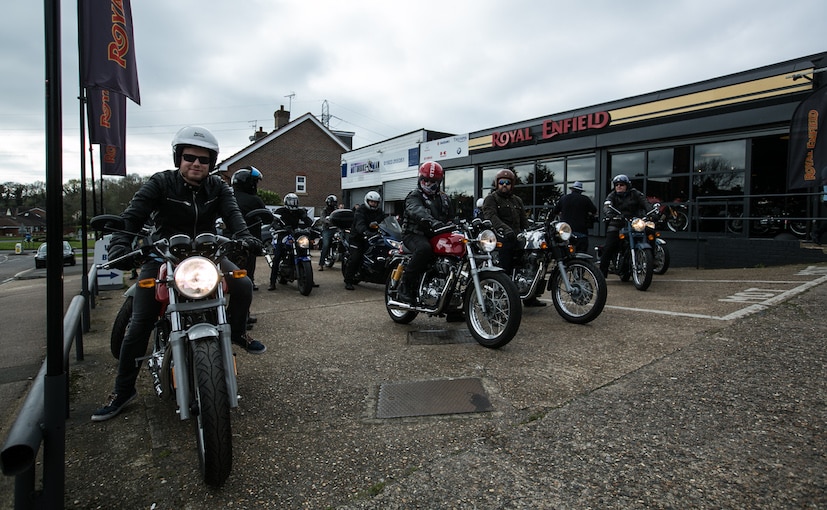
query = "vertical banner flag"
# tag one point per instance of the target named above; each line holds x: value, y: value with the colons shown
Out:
x: 113, y: 160
x: 107, y: 117
x: 109, y: 48
x: 807, y: 153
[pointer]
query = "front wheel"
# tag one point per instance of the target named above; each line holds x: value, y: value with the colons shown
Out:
x: 661, y: 259
x: 588, y: 294
x: 120, y: 326
x: 643, y: 268
x: 305, y: 277
x: 499, y: 322
x: 212, y: 413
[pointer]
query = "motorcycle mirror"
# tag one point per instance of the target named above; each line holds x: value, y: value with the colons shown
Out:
x: 607, y: 202
x: 107, y: 222
x: 262, y: 216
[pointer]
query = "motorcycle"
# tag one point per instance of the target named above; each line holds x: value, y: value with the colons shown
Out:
x: 294, y: 261
x: 340, y: 220
x: 770, y: 217
x: 578, y: 288
x: 374, y: 266
x: 460, y: 278
x: 635, y: 258
x: 192, y: 360
x: 673, y: 215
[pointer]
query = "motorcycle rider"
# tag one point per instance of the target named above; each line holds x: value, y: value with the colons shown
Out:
x: 576, y: 209
x: 630, y: 202
x: 293, y: 217
x: 331, y: 203
x: 245, y: 188
x: 183, y: 201
x: 366, y: 221
x: 426, y: 209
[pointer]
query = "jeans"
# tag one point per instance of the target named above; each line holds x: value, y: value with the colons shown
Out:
x: 327, y: 238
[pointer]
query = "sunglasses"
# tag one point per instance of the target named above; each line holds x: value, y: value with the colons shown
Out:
x: 504, y: 182
x: 190, y: 158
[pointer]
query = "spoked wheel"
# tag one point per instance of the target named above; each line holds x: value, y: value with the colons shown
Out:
x: 588, y: 296
x: 305, y: 277
x: 498, y: 324
x: 211, y: 410
x: 398, y: 316
x: 120, y: 326
x: 661, y: 259
x: 642, y: 269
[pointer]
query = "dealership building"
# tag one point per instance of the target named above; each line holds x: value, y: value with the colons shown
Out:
x: 716, y: 149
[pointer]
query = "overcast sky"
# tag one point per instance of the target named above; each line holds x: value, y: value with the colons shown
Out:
x: 385, y: 67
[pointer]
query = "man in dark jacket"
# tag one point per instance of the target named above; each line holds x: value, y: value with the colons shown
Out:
x: 426, y: 209
x: 331, y: 203
x: 630, y: 202
x: 506, y: 212
x: 245, y: 188
x: 578, y: 211
x: 183, y: 201
x: 366, y: 221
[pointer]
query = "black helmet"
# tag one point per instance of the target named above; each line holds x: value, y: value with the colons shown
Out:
x: 246, y: 179
x: 621, y: 178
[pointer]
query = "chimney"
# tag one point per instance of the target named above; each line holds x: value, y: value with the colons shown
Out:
x: 282, y: 117
x: 258, y: 135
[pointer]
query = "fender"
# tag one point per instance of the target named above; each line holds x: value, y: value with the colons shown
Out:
x: 584, y: 256
x: 202, y: 331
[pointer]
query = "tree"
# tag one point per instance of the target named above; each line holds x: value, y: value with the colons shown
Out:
x: 269, y: 197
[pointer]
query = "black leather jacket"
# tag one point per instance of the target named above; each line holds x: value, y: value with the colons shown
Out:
x: 176, y: 207
x: 631, y: 203
x: 422, y: 209
x: 362, y: 219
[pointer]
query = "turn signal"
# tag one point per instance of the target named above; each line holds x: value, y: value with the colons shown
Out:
x: 146, y: 283
x: 238, y: 273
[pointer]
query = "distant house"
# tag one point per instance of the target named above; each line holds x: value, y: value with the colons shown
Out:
x: 17, y: 223
x: 302, y: 157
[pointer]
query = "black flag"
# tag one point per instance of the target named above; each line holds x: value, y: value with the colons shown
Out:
x: 807, y: 153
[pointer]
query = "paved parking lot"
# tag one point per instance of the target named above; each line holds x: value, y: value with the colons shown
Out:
x: 576, y: 411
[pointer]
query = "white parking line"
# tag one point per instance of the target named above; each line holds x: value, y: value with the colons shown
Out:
x: 743, y: 312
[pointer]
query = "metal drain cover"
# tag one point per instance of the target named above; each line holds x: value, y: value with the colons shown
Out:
x: 440, y: 337
x: 427, y: 398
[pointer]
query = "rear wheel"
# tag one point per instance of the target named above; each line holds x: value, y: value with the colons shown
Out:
x: 212, y: 413
x: 498, y: 324
x: 120, y: 326
x: 677, y: 221
x: 642, y: 269
x: 588, y: 296
x: 661, y: 262
x: 305, y: 277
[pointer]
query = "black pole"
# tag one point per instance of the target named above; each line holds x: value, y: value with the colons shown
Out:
x: 54, y: 434
x: 84, y: 244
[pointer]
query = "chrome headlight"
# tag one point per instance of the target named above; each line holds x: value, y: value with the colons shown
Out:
x: 303, y: 242
x: 487, y: 241
x: 638, y: 224
x: 196, y: 277
x: 563, y: 230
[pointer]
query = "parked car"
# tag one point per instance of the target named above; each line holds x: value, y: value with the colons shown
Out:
x: 68, y: 255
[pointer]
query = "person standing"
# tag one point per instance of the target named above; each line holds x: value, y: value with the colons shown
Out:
x: 630, y: 202
x: 366, y: 221
x: 245, y: 189
x: 183, y: 201
x: 330, y: 205
x: 578, y: 211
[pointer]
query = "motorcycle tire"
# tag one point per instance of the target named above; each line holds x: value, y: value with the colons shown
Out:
x: 643, y: 268
x: 212, y: 412
x: 120, y: 326
x: 499, y: 323
x: 661, y: 259
x: 799, y: 228
x: 305, y: 277
x: 398, y: 316
x: 678, y: 222
x: 588, y: 296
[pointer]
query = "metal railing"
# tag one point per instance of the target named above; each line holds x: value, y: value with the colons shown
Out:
x: 29, y: 430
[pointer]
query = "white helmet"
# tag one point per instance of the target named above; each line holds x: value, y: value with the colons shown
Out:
x: 194, y: 136
x: 291, y: 200
x: 372, y: 196
x: 480, y: 202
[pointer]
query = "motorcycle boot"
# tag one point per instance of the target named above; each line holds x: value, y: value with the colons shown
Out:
x: 406, y: 289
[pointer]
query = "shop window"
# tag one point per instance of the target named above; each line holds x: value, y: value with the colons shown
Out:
x: 553, y: 170
x: 459, y: 185
x: 631, y: 164
x: 580, y: 169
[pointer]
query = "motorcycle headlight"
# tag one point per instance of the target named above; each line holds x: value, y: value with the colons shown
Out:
x: 196, y: 277
x: 563, y: 230
x: 650, y: 224
x: 395, y: 244
x: 303, y: 242
x: 487, y: 240
x: 638, y: 224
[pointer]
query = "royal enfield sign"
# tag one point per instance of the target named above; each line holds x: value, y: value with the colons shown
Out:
x: 550, y: 128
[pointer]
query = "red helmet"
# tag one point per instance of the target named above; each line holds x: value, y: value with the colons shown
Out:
x: 433, y: 172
